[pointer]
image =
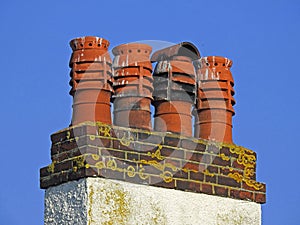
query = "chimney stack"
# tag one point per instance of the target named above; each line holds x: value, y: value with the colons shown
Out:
x: 103, y: 173
x: 133, y: 85
x: 214, y: 99
x: 91, y: 74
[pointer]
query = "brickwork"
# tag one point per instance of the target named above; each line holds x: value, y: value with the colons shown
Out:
x: 152, y: 158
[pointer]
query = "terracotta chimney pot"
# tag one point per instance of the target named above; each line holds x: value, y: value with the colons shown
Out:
x: 91, y: 80
x: 214, y: 99
x: 132, y: 85
x: 174, y: 88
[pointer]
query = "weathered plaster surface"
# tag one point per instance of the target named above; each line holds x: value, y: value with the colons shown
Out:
x: 66, y: 203
x: 93, y: 201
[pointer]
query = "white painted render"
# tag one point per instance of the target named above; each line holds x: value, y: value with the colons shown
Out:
x: 95, y: 201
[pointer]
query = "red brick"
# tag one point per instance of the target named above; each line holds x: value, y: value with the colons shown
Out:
x: 220, y: 162
x: 80, y: 173
x: 89, y: 149
x: 46, y: 182
x: 133, y: 156
x: 61, y: 136
x: 207, y: 159
x: 174, y: 162
x: 44, y: 172
x: 227, y: 181
x: 55, y: 149
x: 112, y: 174
x: 80, y: 141
x: 260, y: 198
x: 77, y: 152
x: 236, y: 165
x: 172, y: 141
x: 149, y: 138
x: 127, y: 134
x: 206, y: 188
x: 91, y: 172
x: 180, y: 174
x: 68, y: 145
x: 142, y: 147
x: 201, y: 147
x: 181, y: 185
x: 213, y: 149
x: 60, y: 157
x: 136, y: 179
x: 63, y: 166
x: 117, y: 144
x: 143, y: 136
x: 171, y: 152
x: 194, y: 156
x: 191, y: 166
x: 55, y: 178
x: 149, y: 169
x: 199, y: 176
x: 247, y: 187
x: 234, y: 193
x: 158, y: 182
x: 100, y: 142
x: 243, y: 195
x: 213, y: 169
x: 188, y: 144
x: 246, y: 195
x: 211, y: 179
x: 193, y: 186
x: 149, y: 158
x: 89, y: 129
x: 226, y: 151
x: 63, y: 177
x: 226, y: 171
x: 118, y: 154
x: 104, y: 152
x: 89, y: 159
x: 221, y: 191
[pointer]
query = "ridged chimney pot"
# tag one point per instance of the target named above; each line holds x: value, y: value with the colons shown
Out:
x: 214, y: 99
x: 132, y: 85
x: 91, y: 80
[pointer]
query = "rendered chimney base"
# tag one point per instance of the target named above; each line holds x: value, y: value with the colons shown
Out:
x: 215, y: 99
x: 90, y: 80
x: 133, y: 86
x: 100, y: 201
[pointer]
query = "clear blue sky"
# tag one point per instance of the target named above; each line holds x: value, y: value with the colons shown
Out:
x: 261, y: 37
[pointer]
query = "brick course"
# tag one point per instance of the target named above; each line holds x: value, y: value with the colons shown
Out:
x: 152, y: 158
